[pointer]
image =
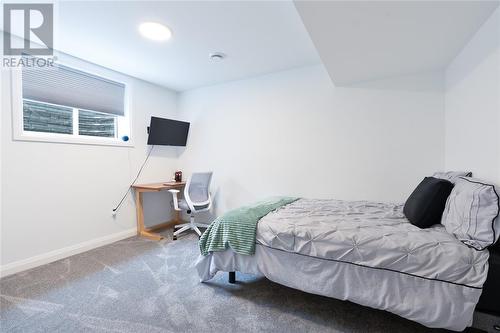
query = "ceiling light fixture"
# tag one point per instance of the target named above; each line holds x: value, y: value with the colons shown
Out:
x: 216, y: 56
x: 155, y: 31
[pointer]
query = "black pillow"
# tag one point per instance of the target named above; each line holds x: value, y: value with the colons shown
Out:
x: 425, y: 205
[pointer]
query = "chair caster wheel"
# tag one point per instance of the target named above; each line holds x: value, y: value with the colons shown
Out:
x: 174, y: 238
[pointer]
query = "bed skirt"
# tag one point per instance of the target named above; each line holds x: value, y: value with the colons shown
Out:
x: 433, y: 303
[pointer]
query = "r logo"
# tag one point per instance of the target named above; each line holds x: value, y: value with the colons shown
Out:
x: 33, y: 24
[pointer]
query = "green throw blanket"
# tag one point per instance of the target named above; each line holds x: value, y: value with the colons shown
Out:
x: 237, y: 228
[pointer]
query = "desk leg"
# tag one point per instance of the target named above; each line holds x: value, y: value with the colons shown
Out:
x: 177, y: 217
x: 141, y: 230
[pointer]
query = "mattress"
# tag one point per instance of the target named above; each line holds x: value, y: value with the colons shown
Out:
x: 368, y: 253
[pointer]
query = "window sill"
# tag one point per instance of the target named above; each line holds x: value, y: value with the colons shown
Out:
x: 35, y: 137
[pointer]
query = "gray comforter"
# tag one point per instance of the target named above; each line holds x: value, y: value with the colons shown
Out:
x: 373, y: 235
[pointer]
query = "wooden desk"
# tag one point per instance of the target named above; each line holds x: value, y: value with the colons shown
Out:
x: 139, y: 189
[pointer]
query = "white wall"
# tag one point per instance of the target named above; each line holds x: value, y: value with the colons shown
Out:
x: 290, y: 133
x: 57, y: 196
x: 294, y: 133
x: 472, y: 103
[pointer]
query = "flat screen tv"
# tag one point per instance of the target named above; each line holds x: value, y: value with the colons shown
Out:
x: 167, y: 132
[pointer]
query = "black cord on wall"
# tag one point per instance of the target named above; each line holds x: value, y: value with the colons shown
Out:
x: 132, y: 184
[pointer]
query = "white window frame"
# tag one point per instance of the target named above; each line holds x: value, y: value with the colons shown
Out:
x: 123, y: 123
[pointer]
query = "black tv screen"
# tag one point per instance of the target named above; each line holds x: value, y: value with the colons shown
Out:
x: 167, y: 132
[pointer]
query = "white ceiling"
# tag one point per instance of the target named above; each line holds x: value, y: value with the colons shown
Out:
x: 258, y: 38
x: 364, y: 40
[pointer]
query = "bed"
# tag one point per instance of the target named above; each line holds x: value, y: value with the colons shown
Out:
x: 367, y: 253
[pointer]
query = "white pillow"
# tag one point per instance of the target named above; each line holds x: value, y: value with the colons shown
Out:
x: 452, y: 176
x: 471, y: 213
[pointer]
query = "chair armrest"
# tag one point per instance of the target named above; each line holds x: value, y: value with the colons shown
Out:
x: 175, y: 199
x: 209, y: 200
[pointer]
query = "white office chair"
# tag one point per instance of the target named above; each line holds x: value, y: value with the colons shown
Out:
x: 197, y: 199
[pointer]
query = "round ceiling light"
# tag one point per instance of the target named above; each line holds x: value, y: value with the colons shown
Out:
x: 155, y: 31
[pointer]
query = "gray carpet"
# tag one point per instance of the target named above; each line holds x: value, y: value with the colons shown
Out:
x: 137, y: 285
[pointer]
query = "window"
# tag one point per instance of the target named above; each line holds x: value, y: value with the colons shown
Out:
x: 47, y: 118
x: 50, y: 118
x: 96, y: 124
x: 68, y: 105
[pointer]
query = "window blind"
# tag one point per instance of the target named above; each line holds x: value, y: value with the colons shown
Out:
x: 70, y: 87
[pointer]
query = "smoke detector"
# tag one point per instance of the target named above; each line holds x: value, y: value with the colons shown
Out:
x: 216, y: 56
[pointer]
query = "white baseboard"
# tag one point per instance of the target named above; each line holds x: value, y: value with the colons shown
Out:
x: 42, y: 259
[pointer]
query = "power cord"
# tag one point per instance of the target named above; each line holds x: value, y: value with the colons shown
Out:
x: 132, y: 184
